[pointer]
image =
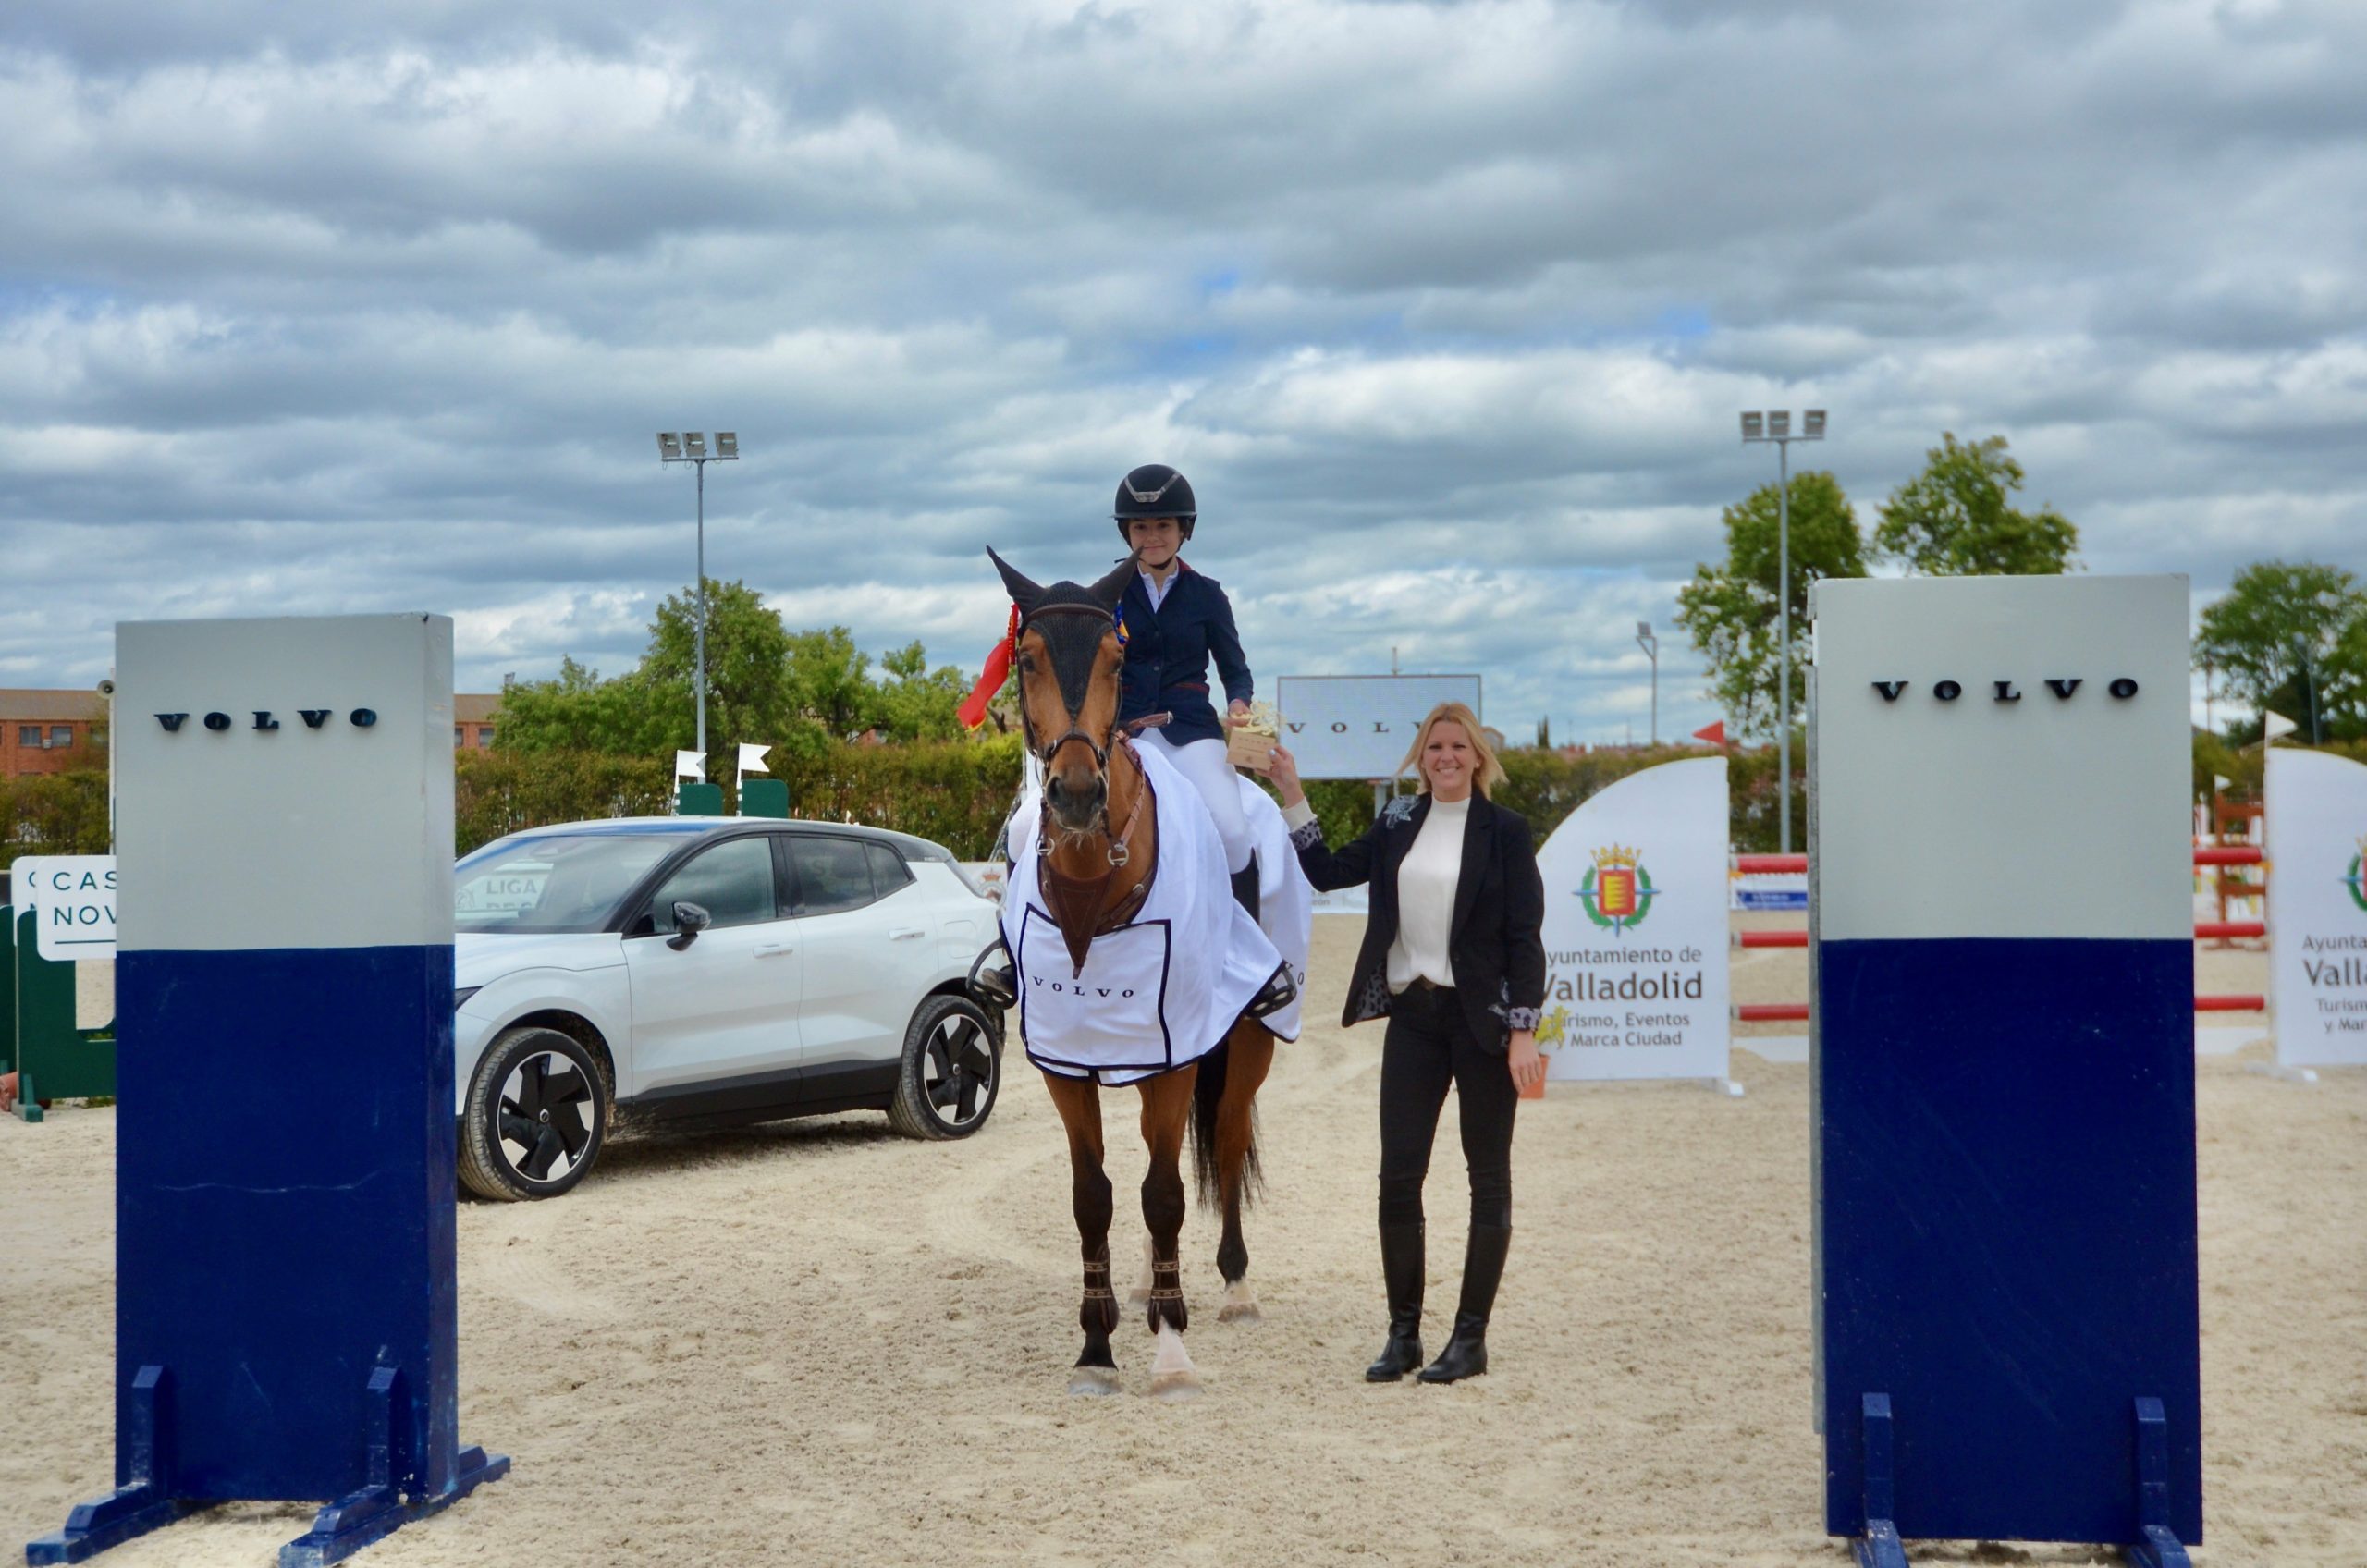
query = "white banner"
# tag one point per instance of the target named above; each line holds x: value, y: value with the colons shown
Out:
x: 1636, y: 929
x: 72, y: 899
x: 1769, y: 889
x: 2317, y: 907
x: 1361, y: 726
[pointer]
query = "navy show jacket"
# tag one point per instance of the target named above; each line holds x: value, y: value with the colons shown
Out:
x: 1168, y: 651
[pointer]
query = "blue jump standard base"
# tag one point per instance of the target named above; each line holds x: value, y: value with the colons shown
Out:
x: 145, y: 1503
x: 2156, y: 1547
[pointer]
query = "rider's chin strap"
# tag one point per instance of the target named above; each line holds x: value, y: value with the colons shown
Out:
x: 973, y: 711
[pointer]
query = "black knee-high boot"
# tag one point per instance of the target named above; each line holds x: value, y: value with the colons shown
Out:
x: 1401, y: 1271
x: 1244, y: 888
x: 1483, y: 1268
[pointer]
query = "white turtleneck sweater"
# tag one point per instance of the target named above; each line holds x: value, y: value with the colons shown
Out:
x: 1425, y: 882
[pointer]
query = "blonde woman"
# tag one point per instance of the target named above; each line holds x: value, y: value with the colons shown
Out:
x: 1453, y: 956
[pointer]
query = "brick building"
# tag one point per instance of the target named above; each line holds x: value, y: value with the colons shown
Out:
x: 48, y: 732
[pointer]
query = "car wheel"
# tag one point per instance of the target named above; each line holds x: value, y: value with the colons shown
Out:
x: 537, y: 1114
x: 953, y: 1067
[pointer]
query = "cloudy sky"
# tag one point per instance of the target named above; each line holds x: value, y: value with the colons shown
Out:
x: 1446, y: 310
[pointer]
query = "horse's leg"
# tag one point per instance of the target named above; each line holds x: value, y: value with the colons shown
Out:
x: 1249, y: 1057
x: 1079, y: 1103
x: 1167, y: 1114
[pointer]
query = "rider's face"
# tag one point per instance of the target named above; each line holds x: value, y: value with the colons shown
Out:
x: 1155, y: 539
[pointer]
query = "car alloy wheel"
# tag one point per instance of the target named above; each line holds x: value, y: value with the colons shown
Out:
x: 537, y: 1116
x: 952, y: 1069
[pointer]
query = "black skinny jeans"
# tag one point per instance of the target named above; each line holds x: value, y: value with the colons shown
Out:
x: 1429, y: 1043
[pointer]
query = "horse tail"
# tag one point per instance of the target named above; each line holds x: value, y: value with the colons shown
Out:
x: 1207, y: 1098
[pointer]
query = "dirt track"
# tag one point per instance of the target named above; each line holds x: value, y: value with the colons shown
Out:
x: 819, y: 1343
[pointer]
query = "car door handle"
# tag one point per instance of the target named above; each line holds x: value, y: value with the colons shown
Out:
x: 903, y: 932
x: 772, y: 949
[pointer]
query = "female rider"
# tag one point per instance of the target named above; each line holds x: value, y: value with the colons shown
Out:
x: 1176, y: 618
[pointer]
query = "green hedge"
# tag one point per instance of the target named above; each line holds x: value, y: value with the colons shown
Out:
x: 957, y: 792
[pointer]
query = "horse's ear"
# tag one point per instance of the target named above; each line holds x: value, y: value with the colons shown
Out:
x: 1112, y: 588
x: 1024, y: 594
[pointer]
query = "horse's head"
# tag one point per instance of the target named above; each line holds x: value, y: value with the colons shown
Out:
x: 1067, y: 655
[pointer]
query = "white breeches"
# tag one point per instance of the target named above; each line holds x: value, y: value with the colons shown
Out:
x: 1203, y: 763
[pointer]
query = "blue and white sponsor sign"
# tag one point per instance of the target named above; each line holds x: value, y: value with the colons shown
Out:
x: 2002, y: 1050
x: 72, y: 900
x: 285, y: 1298
x: 1635, y: 929
x: 1764, y: 891
x: 2317, y: 907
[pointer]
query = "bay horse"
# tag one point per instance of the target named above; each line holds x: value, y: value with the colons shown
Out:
x: 1093, y: 877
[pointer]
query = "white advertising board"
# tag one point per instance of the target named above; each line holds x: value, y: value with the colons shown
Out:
x: 1359, y: 726
x: 2317, y: 907
x: 1635, y: 929
x: 1763, y: 891
x: 72, y: 900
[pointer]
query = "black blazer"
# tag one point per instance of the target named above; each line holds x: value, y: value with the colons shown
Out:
x: 1168, y: 652
x: 1496, y: 941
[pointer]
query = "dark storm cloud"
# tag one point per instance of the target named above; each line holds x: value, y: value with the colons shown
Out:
x: 1448, y: 310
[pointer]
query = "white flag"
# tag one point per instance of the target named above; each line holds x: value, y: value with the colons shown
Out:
x: 752, y: 757
x: 2273, y: 724
x: 690, y: 765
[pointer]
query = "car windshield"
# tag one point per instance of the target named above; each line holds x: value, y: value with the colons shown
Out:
x: 552, y: 882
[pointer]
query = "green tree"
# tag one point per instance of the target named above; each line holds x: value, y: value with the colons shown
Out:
x: 916, y: 703
x: 1956, y: 519
x: 577, y: 711
x: 750, y: 693
x: 2292, y: 636
x: 1729, y: 608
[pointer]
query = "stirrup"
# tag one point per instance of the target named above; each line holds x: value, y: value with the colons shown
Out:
x: 990, y: 983
x: 1279, y: 991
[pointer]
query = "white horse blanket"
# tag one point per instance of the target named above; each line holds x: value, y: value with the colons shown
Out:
x: 1161, y: 990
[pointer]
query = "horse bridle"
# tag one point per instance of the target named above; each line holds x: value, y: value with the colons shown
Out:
x: 1118, y: 852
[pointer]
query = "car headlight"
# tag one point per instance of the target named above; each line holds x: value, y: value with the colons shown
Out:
x: 460, y: 997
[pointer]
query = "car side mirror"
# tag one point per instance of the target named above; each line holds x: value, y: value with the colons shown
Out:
x: 689, y: 919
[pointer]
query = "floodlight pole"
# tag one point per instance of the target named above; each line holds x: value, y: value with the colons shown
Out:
x: 1652, y: 646
x: 693, y: 449
x: 1779, y: 428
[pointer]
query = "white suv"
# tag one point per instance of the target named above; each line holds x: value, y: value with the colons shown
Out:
x: 709, y: 971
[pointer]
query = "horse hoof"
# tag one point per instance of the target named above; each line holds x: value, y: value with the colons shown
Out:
x: 1175, y: 1387
x: 1094, y: 1382
x: 1240, y: 1312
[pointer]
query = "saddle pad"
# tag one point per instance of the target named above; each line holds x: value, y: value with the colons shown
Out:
x: 1192, y: 957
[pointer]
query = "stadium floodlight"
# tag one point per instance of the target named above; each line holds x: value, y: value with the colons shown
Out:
x: 1777, y: 429
x: 690, y: 446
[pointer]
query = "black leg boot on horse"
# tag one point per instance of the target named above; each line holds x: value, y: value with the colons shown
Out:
x: 1483, y: 1269
x: 1401, y: 1272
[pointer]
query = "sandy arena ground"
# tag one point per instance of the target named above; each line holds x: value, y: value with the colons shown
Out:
x: 818, y: 1343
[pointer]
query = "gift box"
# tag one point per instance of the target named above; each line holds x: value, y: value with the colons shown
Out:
x: 1246, y: 748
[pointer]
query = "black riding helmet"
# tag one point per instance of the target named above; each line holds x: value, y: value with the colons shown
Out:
x: 1156, y: 490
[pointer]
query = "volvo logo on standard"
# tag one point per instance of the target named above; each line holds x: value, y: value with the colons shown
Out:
x: 2064, y: 689
x: 315, y: 719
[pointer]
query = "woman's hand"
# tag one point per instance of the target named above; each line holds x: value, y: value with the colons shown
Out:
x: 1520, y: 1055
x: 1234, y: 712
x: 1283, y: 773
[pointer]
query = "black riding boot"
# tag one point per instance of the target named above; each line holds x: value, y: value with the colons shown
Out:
x: 1401, y: 1270
x: 1244, y: 888
x: 1483, y: 1265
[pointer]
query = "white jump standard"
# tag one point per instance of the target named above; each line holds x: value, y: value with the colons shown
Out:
x: 284, y: 1299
